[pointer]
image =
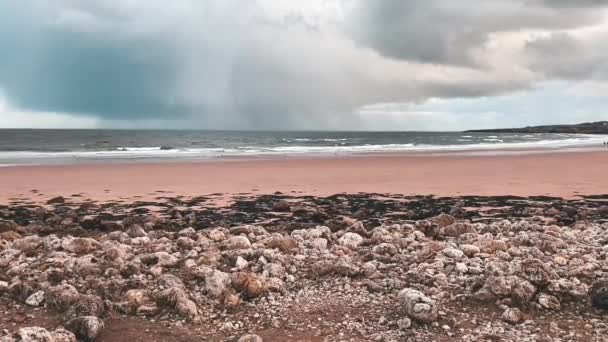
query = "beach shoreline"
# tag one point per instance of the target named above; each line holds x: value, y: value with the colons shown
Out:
x: 564, y: 174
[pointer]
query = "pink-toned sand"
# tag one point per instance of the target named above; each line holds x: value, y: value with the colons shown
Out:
x: 558, y: 174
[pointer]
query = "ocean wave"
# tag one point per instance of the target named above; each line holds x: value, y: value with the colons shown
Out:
x: 158, y: 152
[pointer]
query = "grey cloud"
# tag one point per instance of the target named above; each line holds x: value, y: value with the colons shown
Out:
x: 563, y: 56
x: 442, y: 32
x: 227, y: 64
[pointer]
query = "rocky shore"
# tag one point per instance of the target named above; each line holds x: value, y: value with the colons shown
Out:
x: 362, y: 267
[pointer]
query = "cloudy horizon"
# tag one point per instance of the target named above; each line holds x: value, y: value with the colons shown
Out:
x: 319, y: 65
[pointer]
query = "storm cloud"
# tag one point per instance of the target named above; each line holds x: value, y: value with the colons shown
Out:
x: 283, y: 65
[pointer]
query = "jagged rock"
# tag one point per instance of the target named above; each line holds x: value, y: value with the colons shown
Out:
x: 237, y: 242
x: 6, y: 226
x: 35, y: 299
x: 79, y: 245
x: 249, y: 284
x: 284, y: 244
x: 549, y: 302
x: 599, y: 294
x: 61, y: 297
x: 3, y: 287
x: 56, y: 200
x: 470, y: 250
x: 174, y: 296
x: 418, y: 306
x: 216, y: 235
x: 319, y: 244
x: 512, y: 315
x: 350, y: 240
x: 522, y: 291
x: 147, y: 310
x: 536, y: 272
x: 63, y: 335
x: 216, y: 282
x: 165, y: 259
x: 500, y: 286
x: 136, y: 298
x: 404, y: 323
x: 443, y: 220
x: 385, y: 249
x: 34, y: 334
x: 86, y: 328
x: 28, y: 245
x: 20, y: 291
x: 281, y: 206
x: 87, y: 305
x: 274, y: 270
x: 250, y: 338
x: 453, y: 253
x: 457, y: 229
x: 240, y: 263
x: 136, y: 231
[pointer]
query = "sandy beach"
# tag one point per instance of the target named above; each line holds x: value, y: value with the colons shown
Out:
x: 159, y: 255
x: 564, y: 174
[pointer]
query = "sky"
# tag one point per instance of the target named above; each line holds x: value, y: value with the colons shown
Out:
x: 302, y: 65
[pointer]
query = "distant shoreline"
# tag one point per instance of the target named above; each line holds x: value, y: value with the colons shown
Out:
x: 599, y: 128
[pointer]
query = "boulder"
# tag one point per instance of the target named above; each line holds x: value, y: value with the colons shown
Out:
x: 284, y: 244
x: 6, y: 226
x: 63, y: 335
x: 56, y: 200
x: 216, y: 282
x: 79, y: 245
x: 237, y: 242
x: 350, y: 240
x: 512, y: 315
x: 418, y: 306
x: 250, y: 338
x: 34, y: 334
x: 86, y: 328
x: 599, y: 294
x: 549, y: 302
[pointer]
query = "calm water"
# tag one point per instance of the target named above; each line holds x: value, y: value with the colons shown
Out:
x: 74, y: 146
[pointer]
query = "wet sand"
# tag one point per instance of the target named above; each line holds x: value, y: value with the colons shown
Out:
x: 564, y: 174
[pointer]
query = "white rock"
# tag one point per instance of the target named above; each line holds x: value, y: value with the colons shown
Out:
x: 241, y: 263
x: 350, y: 240
x: 250, y: 338
x: 34, y: 334
x: 453, y: 253
x: 35, y: 299
x: 63, y: 335
x: 79, y: 245
x: 470, y: 250
x: 319, y: 243
x: 216, y: 282
x: 216, y: 235
x: 549, y: 302
x: 238, y: 242
x: 418, y: 306
x: 512, y: 315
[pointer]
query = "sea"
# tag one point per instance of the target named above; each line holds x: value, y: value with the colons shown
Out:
x: 47, y: 146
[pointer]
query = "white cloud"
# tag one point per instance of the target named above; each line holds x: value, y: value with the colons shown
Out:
x: 14, y: 118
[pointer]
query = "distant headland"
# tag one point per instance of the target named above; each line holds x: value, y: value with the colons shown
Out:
x: 600, y: 127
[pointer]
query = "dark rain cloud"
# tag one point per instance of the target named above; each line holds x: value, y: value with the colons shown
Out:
x: 227, y: 64
x: 47, y: 67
